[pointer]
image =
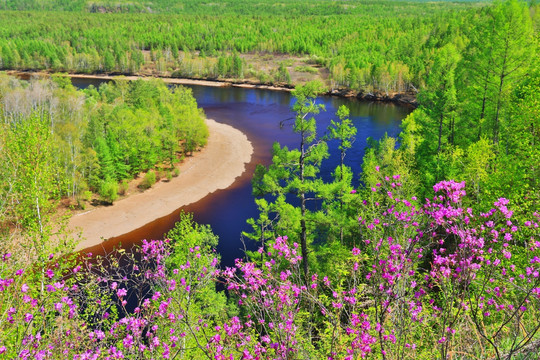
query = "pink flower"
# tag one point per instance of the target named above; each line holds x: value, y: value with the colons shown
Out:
x: 28, y: 317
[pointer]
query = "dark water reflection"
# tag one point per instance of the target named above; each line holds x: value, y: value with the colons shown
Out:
x: 258, y: 114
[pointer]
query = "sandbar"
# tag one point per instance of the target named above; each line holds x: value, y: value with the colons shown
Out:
x: 215, y: 167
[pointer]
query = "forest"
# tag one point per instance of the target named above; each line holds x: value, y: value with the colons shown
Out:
x: 435, y: 255
x: 58, y: 142
x: 368, y: 46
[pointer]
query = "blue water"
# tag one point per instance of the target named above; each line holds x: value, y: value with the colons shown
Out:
x: 258, y: 113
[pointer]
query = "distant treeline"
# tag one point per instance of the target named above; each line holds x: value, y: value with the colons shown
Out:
x: 232, y: 7
x: 367, y: 46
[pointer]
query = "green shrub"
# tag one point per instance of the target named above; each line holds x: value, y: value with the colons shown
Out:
x: 306, y: 69
x: 81, y: 204
x: 109, y: 191
x: 86, y: 195
x: 149, y: 180
x: 123, y: 188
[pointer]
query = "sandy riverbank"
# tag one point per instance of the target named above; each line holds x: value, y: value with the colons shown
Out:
x: 405, y: 98
x: 215, y: 167
x: 168, y: 80
x: 183, y: 81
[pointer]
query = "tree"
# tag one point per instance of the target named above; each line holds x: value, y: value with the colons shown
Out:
x: 439, y: 97
x: 343, y: 131
x: 502, y: 43
x: 295, y: 171
x: 238, y: 66
x: 512, y: 38
x: 30, y: 169
x: 109, y: 62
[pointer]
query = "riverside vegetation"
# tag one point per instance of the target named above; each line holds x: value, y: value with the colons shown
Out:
x: 57, y: 142
x: 435, y: 255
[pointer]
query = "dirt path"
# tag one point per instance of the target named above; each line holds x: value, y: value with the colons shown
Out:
x: 215, y: 167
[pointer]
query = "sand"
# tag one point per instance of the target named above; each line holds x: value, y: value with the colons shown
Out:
x: 215, y: 167
x: 183, y: 81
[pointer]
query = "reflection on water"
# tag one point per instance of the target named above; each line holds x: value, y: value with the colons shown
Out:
x: 258, y: 114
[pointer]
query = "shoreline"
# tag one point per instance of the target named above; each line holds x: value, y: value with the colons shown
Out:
x: 168, y: 80
x: 215, y: 167
x: 399, y: 98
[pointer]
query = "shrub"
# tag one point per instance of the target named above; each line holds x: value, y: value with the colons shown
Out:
x: 149, y: 180
x: 123, y: 188
x: 109, y: 191
x: 306, y: 69
x: 86, y: 195
x: 423, y: 282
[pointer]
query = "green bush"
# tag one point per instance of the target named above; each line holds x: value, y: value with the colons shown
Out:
x: 124, y: 186
x: 306, y: 69
x: 86, y: 195
x: 149, y: 180
x: 109, y: 191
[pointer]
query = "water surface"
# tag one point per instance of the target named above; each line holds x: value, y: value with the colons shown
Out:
x: 265, y: 117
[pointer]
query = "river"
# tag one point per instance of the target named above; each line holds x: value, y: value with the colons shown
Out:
x: 259, y: 114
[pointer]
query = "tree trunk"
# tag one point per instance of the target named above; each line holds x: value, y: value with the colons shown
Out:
x: 502, y: 75
x: 496, y: 125
x: 440, y: 133
x: 303, y: 230
x: 483, y: 111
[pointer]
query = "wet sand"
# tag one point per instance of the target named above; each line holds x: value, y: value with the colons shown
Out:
x: 216, y: 167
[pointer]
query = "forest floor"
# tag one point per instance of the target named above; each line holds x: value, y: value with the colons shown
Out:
x: 215, y: 167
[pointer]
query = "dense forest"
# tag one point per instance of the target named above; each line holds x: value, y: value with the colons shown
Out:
x: 436, y: 255
x: 373, y: 46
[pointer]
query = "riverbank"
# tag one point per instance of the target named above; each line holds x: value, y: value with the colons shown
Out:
x: 213, y: 168
x: 400, y: 98
x: 168, y: 80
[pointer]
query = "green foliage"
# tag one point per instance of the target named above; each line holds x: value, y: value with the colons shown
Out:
x: 292, y: 171
x: 188, y: 234
x: 109, y: 191
x: 123, y: 187
x: 57, y: 141
x: 188, y: 237
x: 282, y: 75
x: 28, y: 171
x: 141, y: 123
x: 439, y: 97
x: 472, y: 124
x: 149, y: 180
x: 371, y: 45
x: 501, y: 48
x: 306, y: 69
